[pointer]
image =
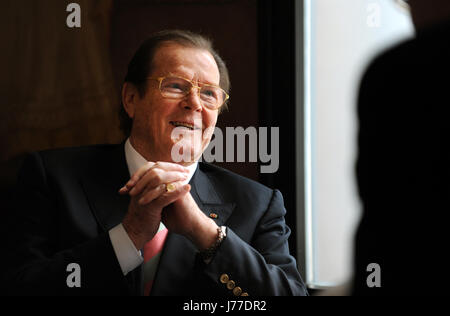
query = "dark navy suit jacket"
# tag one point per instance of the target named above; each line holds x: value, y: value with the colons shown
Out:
x: 67, y: 201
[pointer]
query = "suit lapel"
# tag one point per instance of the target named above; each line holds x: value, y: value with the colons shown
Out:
x: 179, y: 254
x: 208, y: 198
x: 101, y: 186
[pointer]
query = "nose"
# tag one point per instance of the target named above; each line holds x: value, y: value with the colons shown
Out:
x: 192, y: 100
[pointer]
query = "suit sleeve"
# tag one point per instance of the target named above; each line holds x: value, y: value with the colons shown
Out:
x: 264, y: 267
x: 35, y: 263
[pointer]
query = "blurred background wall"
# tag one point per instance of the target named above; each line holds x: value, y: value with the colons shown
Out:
x: 57, y: 85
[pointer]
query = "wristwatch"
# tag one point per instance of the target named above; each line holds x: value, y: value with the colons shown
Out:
x: 209, y: 253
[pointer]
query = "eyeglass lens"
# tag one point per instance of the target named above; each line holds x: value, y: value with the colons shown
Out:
x: 173, y: 87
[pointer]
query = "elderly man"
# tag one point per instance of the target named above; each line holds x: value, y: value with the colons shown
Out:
x: 135, y: 219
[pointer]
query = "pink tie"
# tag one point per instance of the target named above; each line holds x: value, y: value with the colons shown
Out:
x: 152, y: 249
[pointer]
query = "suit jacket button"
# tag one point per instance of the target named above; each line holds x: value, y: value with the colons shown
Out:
x: 231, y: 285
x: 244, y: 294
x: 237, y: 291
x: 224, y: 278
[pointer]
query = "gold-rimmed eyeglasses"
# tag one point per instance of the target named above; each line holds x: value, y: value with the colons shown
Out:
x: 173, y: 87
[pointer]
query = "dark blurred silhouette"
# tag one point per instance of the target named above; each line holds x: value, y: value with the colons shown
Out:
x: 403, y: 167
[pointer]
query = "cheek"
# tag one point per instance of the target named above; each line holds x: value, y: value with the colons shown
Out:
x: 210, y: 120
x: 156, y: 115
x: 210, y: 124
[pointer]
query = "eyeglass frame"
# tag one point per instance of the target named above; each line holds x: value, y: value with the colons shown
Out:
x: 160, y: 80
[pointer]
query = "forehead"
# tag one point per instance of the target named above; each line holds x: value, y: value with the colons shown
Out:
x: 191, y: 63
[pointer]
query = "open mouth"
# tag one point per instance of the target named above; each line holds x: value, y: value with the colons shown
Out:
x: 185, y: 125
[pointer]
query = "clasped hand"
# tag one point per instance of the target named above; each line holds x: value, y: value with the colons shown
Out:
x: 151, y: 203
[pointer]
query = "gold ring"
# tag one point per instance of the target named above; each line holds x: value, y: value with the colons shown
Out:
x: 170, y: 187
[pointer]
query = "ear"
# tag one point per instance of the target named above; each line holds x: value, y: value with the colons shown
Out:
x: 130, y: 96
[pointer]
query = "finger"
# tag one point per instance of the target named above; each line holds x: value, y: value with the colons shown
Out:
x: 144, y: 169
x: 136, y: 177
x: 149, y: 195
x: 170, y: 197
x: 155, y: 178
x: 170, y: 166
x: 124, y: 190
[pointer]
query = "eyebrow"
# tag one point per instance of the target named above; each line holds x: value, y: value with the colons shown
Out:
x: 198, y: 82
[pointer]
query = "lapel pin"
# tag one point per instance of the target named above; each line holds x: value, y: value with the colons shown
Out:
x: 213, y: 215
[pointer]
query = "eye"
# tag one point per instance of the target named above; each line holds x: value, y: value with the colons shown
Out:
x: 210, y: 93
x: 175, y: 85
x: 172, y: 86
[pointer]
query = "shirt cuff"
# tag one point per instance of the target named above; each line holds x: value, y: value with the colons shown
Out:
x: 128, y: 256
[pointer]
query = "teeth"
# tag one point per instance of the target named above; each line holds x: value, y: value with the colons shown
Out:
x: 180, y: 124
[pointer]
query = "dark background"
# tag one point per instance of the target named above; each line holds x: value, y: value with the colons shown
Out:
x: 61, y: 86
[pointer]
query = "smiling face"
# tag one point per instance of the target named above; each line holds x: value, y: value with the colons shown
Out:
x: 158, y: 122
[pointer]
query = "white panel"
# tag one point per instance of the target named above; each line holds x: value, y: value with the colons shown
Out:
x: 342, y: 37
